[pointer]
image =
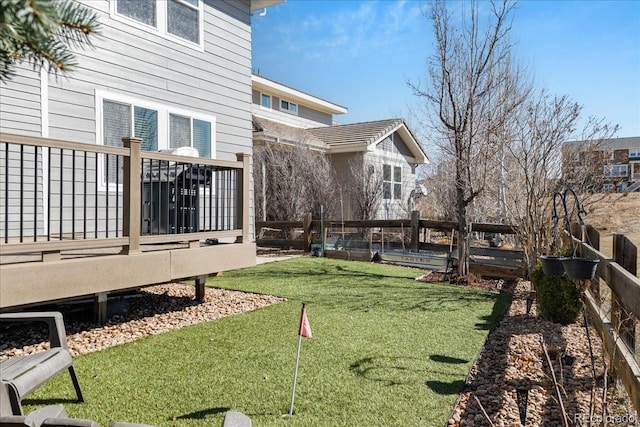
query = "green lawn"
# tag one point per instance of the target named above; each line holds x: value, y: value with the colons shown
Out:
x: 386, y: 351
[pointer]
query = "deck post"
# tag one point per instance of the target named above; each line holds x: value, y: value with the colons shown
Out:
x: 243, y: 197
x: 101, y: 307
x: 200, y: 286
x: 131, y: 195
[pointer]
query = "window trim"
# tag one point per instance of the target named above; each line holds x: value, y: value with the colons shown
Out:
x: 163, y: 110
x: 634, y: 152
x: 392, y: 182
x: 620, y: 174
x: 288, y: 109
x: 162, y: 21
x: 270, y: 107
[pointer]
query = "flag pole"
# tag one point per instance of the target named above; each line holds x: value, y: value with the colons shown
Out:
x: 295, y: 372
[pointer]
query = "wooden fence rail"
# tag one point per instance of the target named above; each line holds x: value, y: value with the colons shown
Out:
x: 613, y: 305
x: 484, y: 261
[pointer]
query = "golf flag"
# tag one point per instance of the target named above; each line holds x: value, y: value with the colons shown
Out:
x: 305, y: 329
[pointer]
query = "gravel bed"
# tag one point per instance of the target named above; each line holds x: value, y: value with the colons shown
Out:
x: 150, y: 311
x: 513, y: 359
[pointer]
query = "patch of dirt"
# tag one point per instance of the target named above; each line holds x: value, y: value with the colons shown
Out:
x: 614, y: 213
x: 471, y: 280
x: 277, y: 252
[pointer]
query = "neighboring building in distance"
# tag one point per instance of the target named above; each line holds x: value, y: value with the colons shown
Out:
x: 291, y: 117
x: 603, y: 165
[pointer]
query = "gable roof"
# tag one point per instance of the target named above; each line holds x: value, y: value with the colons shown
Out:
x: 339, y: 138
x: 612, y: 143
x: 360, y: 136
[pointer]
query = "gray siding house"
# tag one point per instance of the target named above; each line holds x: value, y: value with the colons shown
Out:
x: 285, y: 115
x: 176, y: 75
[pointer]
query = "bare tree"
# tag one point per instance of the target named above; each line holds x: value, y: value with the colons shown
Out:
x: 535, y: 166
x: 291, y: 181
x: 470, y: 97
x: 364, y: 189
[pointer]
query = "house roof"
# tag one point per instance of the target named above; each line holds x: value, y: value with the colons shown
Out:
x: 339, y: 138
x: 268, y: 130
x: 361, y: 136
x: 262, y: 4
x: 613, y: 143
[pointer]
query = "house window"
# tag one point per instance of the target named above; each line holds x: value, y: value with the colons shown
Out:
x: 189, y: 132
x: 159, y: 127
x: 180, y: 20
x: 608, y: 155
x: 391, y: 182
x: 265, y: 100
x: 575, y: 157
x: 289, y: 106
x: 634, y: 153
x: 615, y: 171
x: 141, y: 10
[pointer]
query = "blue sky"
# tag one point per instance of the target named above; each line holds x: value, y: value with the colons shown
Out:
x: 359, y: 54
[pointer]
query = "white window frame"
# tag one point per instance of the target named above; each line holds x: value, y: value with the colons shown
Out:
x: 623, y: 170
x: 162, y: 22
x: 392, y: 182
x: 270, y: 107
x: 634, y: 152
x: 289, y: 104
x: 163, y: 110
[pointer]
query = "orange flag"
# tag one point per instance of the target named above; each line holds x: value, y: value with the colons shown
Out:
x: 304, y: 329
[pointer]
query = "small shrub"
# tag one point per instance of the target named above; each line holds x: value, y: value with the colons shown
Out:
x: 558, y: 298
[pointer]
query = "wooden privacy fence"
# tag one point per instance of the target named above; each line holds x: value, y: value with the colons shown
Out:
x: 412, y: 235
x: 613, y: 304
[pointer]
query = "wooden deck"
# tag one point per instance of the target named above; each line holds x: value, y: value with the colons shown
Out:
x: 81, y: 239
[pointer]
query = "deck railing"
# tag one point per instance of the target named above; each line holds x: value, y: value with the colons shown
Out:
x: 58, y: 195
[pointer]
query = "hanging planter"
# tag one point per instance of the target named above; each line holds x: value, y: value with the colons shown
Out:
x: 580, y: 268
x: 552, y: 265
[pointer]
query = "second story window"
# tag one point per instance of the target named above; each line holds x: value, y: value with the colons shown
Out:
x: 265, y: 100
x: 289, y: 106
x: 141, y: 10
x: 180, y: 20
x: 634, y: 153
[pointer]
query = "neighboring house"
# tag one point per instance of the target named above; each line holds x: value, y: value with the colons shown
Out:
x: 176, y: 74
x: 288, y: 116
x: 610, y: 164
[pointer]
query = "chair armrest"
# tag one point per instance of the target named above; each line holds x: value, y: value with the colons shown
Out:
x: 57, y: 333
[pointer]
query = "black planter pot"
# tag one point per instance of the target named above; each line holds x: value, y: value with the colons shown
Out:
x: 580, y: 268
x: 552, y: 265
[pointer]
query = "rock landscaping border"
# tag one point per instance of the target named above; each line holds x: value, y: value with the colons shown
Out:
x: 510, y: 381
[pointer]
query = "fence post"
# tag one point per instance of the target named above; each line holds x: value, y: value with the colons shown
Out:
x: 593, y: 237
x: 625, y: 253
x: 243, y: 197
x: 306, y: 233
x: 131, y: 194
x: 415, y: 231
